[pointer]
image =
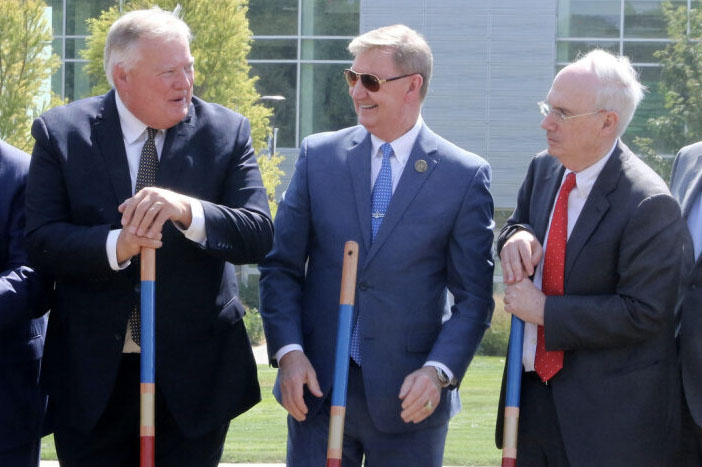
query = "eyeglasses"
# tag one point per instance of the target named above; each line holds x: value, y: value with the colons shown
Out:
x: 546, y: 109
x: 370, y: 82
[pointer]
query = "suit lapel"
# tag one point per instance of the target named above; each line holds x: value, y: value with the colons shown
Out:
x: 109, y: 140
x: 693, y: 187
x: 410, y: 182
x: 358, y: 162
x: 544, y: 199
x: 175, y: 155
x: 595, y: 207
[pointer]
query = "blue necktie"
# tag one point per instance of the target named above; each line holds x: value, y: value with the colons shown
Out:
x: 380, y: 198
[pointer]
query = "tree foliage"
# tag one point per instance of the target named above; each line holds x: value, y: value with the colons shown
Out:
x: 221, y: 42
x: 26, y: 64
x: 681, y: 87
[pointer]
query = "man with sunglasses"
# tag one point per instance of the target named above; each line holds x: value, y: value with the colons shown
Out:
x: 591, y: 260
x: 421, y: 211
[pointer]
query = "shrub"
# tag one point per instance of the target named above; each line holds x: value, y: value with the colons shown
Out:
x: 495, y: 341
x: 254, y: 326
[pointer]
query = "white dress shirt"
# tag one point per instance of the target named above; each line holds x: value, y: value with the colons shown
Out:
x: 694, y: 224
x: 134, y: 136
x: 584, y: 180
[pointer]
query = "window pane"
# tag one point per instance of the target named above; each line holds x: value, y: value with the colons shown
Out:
x: 650, y: 107
x: 567, y: 51
x: 330, y: 18
x: 273, y: 17
x: 325, y: 49
x: 55, y: 9
x: 278, y: 79
x: 273, y: 49
x: 77, y: 11
x: 644, y: 18
x: 77, y: 83
x: 642, y: 52
x: 588, y: 18
x: 325, y: 103
x: 73, y: 47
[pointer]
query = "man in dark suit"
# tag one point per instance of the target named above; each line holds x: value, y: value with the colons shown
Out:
x: 22, y: 326
x: 600, y: 384
x: 434, y: 234
x: 207, y: 211
x: 686, y: 186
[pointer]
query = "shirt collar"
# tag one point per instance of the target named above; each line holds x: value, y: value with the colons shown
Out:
x: 585, y: 179
x: 132, y: 127
x: 402, y: 146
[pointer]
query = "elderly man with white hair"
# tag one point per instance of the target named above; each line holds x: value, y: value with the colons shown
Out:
x: 591, y: 258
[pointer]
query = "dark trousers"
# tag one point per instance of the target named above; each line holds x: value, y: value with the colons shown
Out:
x: 22, y: 456
x: 690, y: 452
x: 539, y: 441
x: 307, y: 441
x: 114, y: 442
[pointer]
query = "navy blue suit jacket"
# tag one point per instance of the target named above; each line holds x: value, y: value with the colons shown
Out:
x: 77, y: 178
x: 22, y: 304
x: 437, y: 234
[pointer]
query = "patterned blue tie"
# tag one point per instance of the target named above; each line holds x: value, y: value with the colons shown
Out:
x: 380, y: 198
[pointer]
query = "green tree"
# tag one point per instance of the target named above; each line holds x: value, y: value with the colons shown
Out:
x: 680, y: 86
x: 221, y: 42
x: 26, y: 64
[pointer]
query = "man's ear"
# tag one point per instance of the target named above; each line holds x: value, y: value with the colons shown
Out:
x: 119, y: 76
x: 610, y: 123
x: 416, y: 82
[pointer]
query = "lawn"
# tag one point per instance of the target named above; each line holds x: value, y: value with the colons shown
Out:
x: 259, y: 434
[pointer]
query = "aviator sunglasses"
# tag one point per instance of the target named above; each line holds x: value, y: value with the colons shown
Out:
x: 370, y: 82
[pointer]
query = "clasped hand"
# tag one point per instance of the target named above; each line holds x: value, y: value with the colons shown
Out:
x: 143, y: 216
x: 519, y: 257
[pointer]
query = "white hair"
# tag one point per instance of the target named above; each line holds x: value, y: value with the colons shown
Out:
x: 121, y: 46
x: 619, y: 89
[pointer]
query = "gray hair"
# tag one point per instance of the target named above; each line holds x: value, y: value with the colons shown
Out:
x: 121, y: 46
x: 620, y: 90
x: 411, y: 53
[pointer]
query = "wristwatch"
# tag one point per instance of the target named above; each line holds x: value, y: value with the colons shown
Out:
x: 443, y: 378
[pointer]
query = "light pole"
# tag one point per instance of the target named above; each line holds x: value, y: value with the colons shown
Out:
x: 274, y: 99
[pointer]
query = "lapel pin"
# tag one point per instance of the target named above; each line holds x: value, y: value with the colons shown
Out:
x: 420, y: 166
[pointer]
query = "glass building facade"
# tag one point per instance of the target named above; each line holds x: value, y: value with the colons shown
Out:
x: 635, y: 28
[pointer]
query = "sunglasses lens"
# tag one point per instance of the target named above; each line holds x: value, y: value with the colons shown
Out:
x: 370, y: 82
x: 351, y: 77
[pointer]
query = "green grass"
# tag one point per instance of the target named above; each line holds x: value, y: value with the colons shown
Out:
x: 259, y: 435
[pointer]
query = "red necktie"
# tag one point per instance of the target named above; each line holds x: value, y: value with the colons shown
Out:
x: 548, y: 363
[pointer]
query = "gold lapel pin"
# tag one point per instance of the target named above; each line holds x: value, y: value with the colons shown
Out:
x: 421, y: 166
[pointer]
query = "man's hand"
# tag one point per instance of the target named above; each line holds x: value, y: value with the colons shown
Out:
x: 525, y: 301
x: 129, y: 245
x: 420, y: 394
x: 296, y: 371
x: 145, y: 213
x: 519, y: 256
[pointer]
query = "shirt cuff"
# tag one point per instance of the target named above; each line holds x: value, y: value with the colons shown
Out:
x: 285, y: 350
x: 196, y: 232
x: 446, y: 370
x: 111, y: 248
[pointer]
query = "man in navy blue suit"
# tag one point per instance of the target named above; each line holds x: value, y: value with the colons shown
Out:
x: 410, y: 350
x: 205, y: 210
x: 22, y: 326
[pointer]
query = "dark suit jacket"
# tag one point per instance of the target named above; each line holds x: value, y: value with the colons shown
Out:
x: 686, y: 186
x: 617, y: 396
x: 22, y: 304
x: 77, y: 178
x: 437, y: 232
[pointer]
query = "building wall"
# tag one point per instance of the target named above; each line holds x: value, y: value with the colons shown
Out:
x: 482, y: 48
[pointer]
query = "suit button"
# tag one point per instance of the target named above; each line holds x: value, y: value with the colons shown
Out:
x: 693, y: 286
x: 118, y: 338
x: 363, y: 286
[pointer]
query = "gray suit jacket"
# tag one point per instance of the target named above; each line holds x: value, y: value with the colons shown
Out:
x: 617, y: 396
x: 686, y: 186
